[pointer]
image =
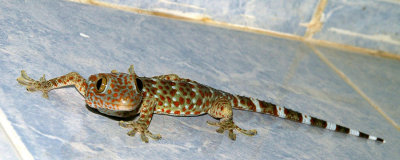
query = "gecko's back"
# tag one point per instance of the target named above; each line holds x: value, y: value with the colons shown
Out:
x: 184, y: 97
x: 181, y: 97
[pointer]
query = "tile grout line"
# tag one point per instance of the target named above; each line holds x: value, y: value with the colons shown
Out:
x: 292, y: 70
x: 354, y: 86
x: 315, y: 25
x: 207, y: 21
x: 13, y: 137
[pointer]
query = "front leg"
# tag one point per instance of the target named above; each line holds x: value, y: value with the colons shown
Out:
x: 141, y: 125
x: 44, y: 86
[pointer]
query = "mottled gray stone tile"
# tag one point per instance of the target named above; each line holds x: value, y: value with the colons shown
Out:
x: 283, y: 16
x: 363, y: 23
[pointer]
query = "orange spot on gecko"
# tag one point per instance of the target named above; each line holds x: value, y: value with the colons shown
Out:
x: 235, y: 102
x: 92, y: 78
x: 187, y: 100
x: 177, y: 112
x: 115, y: 94
x: 201, y: 93
x: 169, y: 100
x: 199, y: 101
x: 192, y: 94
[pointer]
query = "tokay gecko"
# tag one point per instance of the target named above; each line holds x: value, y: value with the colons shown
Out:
x: 125, y: 95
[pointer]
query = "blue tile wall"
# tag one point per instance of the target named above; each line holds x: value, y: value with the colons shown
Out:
x: 363, y: 23
x: 283, y: 16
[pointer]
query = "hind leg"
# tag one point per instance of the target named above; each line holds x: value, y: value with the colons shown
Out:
x: 222, y: 109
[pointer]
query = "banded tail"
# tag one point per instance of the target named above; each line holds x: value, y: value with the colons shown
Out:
x: 252, y: 104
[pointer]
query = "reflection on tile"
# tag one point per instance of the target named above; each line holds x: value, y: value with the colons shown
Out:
x: 363, y: 23
x: 283, y: 16
x: 378, y: 78
x: 57, y: 37
x: 6, y: 149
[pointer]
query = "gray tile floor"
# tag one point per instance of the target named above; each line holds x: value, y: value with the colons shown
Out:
x: 57, y: 37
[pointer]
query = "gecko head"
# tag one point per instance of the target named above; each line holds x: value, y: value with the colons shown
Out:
x: 114, y: 91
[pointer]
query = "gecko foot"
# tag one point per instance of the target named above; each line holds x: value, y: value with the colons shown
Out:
x: 229, y: 125
x: 141, y: 128
x: 32, y: 85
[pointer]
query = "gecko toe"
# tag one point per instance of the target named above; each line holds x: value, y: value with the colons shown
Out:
x: 144, y: 138
x: 131, y: 133
x: 220, y: 130
x: 153, y: 136
x: 232, y: 135
x: 212, y: 123
x: 250, y: 132
x: 123, y: 124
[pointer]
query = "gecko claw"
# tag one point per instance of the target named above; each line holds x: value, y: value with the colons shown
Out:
x: 139, y: 128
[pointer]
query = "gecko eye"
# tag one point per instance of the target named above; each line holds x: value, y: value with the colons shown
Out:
x: 139, y: 84
x: 101, y: 84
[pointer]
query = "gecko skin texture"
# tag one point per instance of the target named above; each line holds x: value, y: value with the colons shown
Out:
x: 125, y: 94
